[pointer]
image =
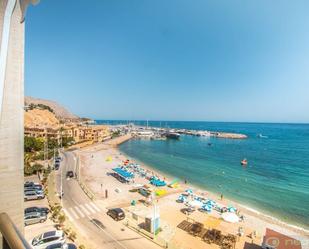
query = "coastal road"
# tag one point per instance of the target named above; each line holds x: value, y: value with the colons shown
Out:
x: 90, y: 219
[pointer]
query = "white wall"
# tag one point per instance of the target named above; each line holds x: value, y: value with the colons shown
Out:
x: 11, y: 123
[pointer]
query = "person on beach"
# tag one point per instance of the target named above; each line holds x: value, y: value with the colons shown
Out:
x: 221, y: 197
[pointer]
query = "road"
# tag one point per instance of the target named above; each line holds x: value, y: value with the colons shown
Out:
x: 81, y: 211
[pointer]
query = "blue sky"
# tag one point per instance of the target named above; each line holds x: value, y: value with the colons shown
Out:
x: 171, y: 59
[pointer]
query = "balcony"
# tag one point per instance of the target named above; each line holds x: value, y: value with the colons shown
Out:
x: 12, y: 238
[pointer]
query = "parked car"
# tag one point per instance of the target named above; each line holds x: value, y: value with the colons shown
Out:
x: 34, y: 217
x: 46, y: 239
x: 35, y: 188
x: 116, y: 213
x: 42, y: 210
x: 38, y: 186
x: 33, y: 195
x: 40, y: 192
x: 62, y: 246
x: 28, y: 184
x: 70, y: 174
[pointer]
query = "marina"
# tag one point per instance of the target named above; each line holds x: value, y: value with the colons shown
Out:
x: 159, y: 133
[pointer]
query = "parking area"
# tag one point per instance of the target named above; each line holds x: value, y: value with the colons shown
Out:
x: 36, y: 229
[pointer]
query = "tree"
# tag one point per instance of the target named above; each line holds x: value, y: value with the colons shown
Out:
x: 67, y: 141
x: 29, y: 144
x: 33, y: 144
x: 52, y: 144
x: 115, y: 134
x: 37, y: 167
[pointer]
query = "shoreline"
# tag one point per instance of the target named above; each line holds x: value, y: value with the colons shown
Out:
x: 260, y: 214
x: 93, y: 174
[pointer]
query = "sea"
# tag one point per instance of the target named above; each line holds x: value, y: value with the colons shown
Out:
x: 275, y: 181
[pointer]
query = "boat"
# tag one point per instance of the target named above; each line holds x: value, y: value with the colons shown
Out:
x: 172, y: 135
x: 261, y: 136
x: 244, y: 162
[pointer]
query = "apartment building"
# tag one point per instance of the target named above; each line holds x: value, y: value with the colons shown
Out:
x: 95, y: 133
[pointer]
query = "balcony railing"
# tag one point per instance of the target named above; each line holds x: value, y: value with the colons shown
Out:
x: 12, y: 238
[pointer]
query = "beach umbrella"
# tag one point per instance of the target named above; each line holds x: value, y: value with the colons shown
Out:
x: 206, y: 208
x: 189, y: 191
x: 211, y: 203
x: 232, y: 209
x: 182, y: 198
x: 230, y: 217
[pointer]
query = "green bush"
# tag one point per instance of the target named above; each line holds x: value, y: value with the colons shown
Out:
x: 61, y: 219
x: 37, y: 168
x: 28, y: 170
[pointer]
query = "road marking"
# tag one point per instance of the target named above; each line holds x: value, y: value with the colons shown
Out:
x: 74, y: 213
x: 90, y: 208
x: 67, y: 214
x: 84, y: 209
x: 95, y: 207
x: 80, y: 212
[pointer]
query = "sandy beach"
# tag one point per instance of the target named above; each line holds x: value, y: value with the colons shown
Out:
x: 96, y: 163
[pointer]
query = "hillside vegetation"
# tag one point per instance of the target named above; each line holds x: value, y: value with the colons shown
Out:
x: 60, y: 111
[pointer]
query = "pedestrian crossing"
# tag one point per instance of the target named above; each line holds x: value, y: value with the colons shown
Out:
x: 81, y: 210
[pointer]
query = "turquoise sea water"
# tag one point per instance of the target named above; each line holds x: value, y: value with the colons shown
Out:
x: 276, y: 180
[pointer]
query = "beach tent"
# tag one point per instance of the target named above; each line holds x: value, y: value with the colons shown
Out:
x: 123, y: 173
x: 109, y: 159
x: 195, y: 203
x: 230, y: 217
x: 156, y: 182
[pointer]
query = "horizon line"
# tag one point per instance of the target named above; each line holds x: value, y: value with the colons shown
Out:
x: 158, y: 120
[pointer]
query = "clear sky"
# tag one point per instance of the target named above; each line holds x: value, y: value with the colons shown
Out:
x: 171, y: 59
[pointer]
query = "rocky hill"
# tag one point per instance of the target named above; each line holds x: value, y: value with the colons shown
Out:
x: 40, y: 118
x: 59, y: 111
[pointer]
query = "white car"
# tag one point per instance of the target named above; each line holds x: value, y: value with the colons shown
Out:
x: 49, y: 238
x: 61, y: 246
x: 33, y: 195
